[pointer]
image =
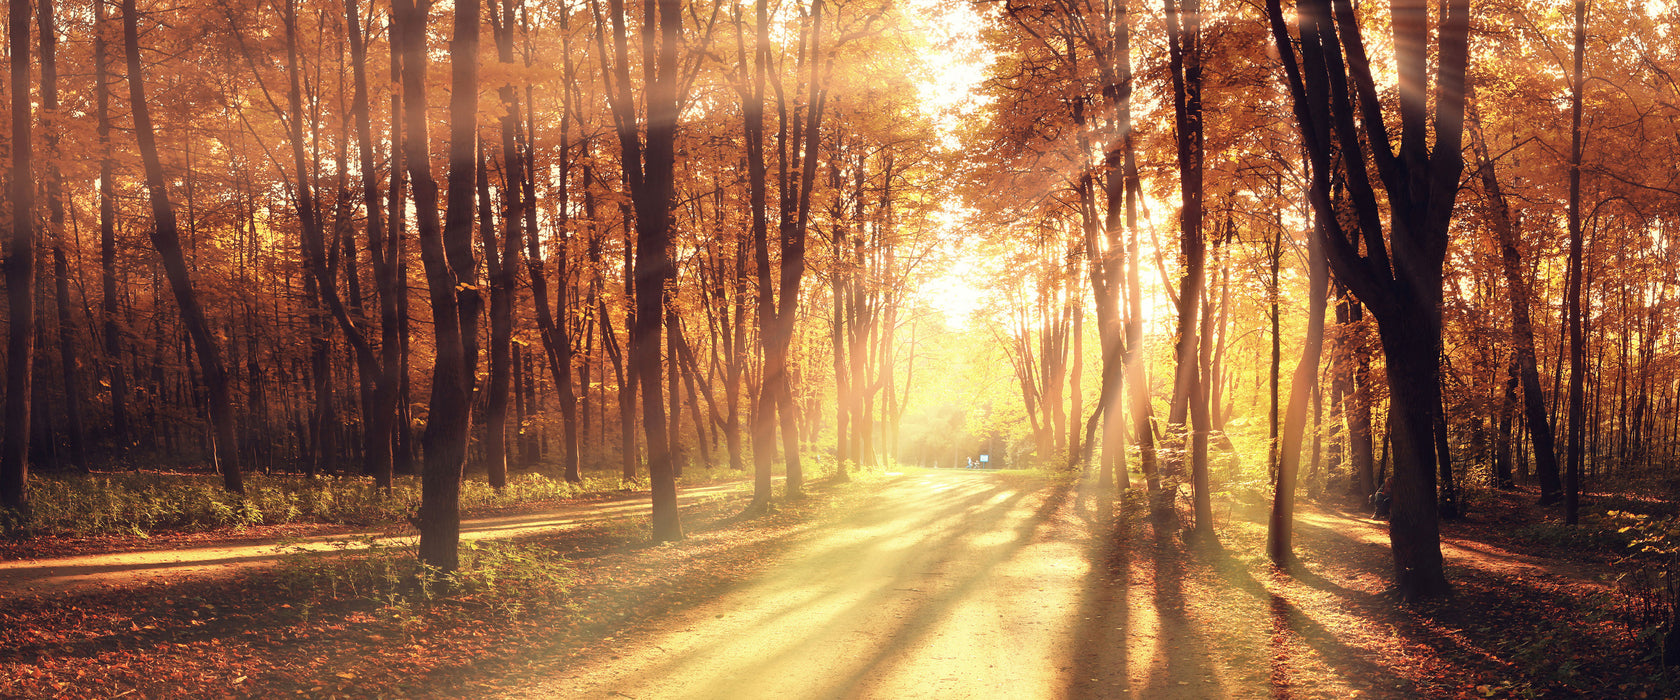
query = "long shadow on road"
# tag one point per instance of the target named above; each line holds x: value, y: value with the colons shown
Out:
x: 900, y: 598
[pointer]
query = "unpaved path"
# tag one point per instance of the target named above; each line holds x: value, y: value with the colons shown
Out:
x: 67, y: 575
x: 973, y: 585
x: 950, y: 584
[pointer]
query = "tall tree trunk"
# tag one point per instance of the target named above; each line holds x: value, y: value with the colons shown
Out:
x: 1302, y: 388
x: 55, y: 224
x: 322, y: 418
x: 1273, y: 292
x: 517, y: 153
x: 20, y: 276
x: 166, y: 238
x: 649, y: 171
x: 450, y: 418
x: 1397, y: 275
x: 752, y: 109
x: 1522, y: 329
x: 1577, y: 337
x: 380, y: 414
x: 114, y: 353
x: 502, y: 272
x: 1184, y: 19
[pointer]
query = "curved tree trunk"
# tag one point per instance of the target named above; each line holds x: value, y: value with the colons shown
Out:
x: 1302, y: 388
x: 166, y: 238
x: 1522, y: 329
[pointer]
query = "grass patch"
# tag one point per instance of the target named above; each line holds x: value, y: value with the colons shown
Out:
x: 501, y: 580
x: 141, y: 503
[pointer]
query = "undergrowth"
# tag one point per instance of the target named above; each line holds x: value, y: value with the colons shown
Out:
x: 141, y: 503
x: 502, y: 579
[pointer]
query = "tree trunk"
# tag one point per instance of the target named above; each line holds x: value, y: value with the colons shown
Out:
x: 1302, y: 388
x: 1446, y: 492
x: 114, y: 353
x: 518, y: 154
x: 1397, y: 275
x: 449, y: 420
x: 55, y: 223
x: 20, y: 277
x: 380, y: 413
x: 167, y: 239
x: 1502, y: 457
x: 649, y: 172
x: 502, y: 268
x: 1184, y: 20
x: 1414, y: 390
x: 1522, y: 329
x: 1577, y: 338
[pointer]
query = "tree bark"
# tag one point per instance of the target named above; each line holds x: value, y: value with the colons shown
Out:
x: 1522, y: 329
x: 381, y: 412
x: 518, y: 154
x: 114, y: 353
x: 55, y: 224
x: 20, y: 276
x: 1184, y: 20
x: 649, y: 166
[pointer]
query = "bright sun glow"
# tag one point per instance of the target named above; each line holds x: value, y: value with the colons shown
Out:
x: 956, y: 63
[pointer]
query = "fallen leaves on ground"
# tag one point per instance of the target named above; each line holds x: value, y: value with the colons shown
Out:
x: 237, y: 638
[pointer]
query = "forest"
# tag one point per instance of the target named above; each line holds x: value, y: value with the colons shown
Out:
x: 497, y: 332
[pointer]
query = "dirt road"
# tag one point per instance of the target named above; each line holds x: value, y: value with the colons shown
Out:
x: 947, y: 585
x: 957, y: 584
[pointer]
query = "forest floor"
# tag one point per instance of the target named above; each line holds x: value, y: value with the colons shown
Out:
x: 926, y: 584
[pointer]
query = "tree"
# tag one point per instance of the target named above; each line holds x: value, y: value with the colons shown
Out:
x: 55, y: 224
x: 107, y: 237
x: 385, y: 252
x: 1577, y: 336
x: 1397, y: 276
x: 1302, y: 387
x: 1522, y: 329
x: 166, y: 238
x: 647, y: 147
x: 1184, y: 38
x: 20, y: 274
x: 450, y: 417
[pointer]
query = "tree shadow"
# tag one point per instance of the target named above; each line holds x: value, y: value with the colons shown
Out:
x: 1101, y: 662
x: 917, y: 565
